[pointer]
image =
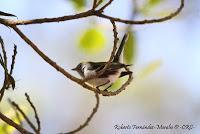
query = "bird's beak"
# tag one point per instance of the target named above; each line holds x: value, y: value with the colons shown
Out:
x: 74, y: 69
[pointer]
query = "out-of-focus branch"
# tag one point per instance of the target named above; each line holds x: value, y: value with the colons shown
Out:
x: 35, y: 111
x: 13, y: 124
x: 89, y: 118
x: 8, y: 79
x: 24, y: 115
x: 94, y: 4
x: 32, y: 126
x: 13, y: 59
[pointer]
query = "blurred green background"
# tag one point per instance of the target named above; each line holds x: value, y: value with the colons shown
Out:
x: 165, y: 60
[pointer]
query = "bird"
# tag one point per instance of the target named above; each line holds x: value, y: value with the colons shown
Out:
x: 112, y: 73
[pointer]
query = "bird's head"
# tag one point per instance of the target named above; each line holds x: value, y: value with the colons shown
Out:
x: 80, y: 68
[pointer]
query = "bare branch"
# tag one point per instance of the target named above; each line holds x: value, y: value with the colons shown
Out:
x: 13, y: 59
x: 46, y: 20
x: 94, y: 4
x: 99, y: 2
x: 16, y: 112
x: 24, y: 115
x: 89, y: 13
x: 35, y: 111
x: 141, y: 22
x: 13, y: 124
x: 4, y: 53
x: 89, y: 118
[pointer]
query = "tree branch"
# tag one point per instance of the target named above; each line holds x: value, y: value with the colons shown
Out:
x: 24, y: 115
x: 13, y: 124
x: 35, y: 111
x: 89, y: 13
x: 141, y: 22
x: 89, y: 118
x: 106, y: 5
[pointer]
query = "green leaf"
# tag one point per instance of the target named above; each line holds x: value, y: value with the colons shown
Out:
x: 150, y: 68
x: 130, y: 49
x: 79, y: 4
x: 149, y: 5
x: 115, y: 86
x: 92, y: 41
x: 154, y: 2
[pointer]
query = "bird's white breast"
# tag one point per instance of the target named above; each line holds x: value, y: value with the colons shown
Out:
x: 99, y: 81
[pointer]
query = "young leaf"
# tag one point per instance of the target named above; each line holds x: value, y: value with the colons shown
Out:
x: 92, y: 41
x: 115, y: 86
x: 130, y: 48
x: 11, y: 114
x: 153, y: 2
x: 150, y: 68
x: 6, y: 14
x: 79, y: 4
x: 149, y: 5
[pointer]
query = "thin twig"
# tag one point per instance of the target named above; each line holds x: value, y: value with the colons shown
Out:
x: 94, y: 4
x: 13, y: 59
x: 4, y: 52
x: 24, y: 115
x: 16, y: 112
x: 141, y: 22
x: 35, y: 111
x: 89, y: 118
x: 13, y: 124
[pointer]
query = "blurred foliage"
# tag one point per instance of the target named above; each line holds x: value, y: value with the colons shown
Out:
x: 4, y: 127
x: 79, y: 4
x: 150, y: 68
x: 92, y: 40
x: 130, y: 49
x: 149, y: 5
x: 115, y: 85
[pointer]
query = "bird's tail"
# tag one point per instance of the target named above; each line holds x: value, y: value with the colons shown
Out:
x: 119, y: 51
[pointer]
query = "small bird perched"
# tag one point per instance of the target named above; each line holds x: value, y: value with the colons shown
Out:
x: 111, y: 74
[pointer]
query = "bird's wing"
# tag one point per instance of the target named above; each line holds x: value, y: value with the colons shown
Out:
x: 124, y: 73
x: 100, y: 65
